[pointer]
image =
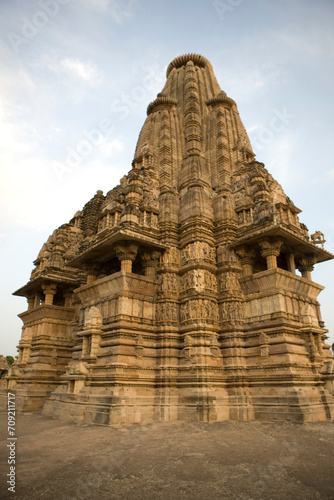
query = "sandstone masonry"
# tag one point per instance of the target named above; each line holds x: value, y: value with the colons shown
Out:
x: 175, y: 295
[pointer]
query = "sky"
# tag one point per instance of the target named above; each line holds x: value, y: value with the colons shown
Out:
x: 78, y: 70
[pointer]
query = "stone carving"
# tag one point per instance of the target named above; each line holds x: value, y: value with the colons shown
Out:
x: 150, y: 261
x: 231, y: 311
x: 264, y: 345
x: 169, y: 282
x: 199, y: 309
x: 126, y: 251
x: 229, y: 282
x: 166, y: 312
x: 318, y: 238
x: 77, y: 368
x: 270, y: 250
x: 171, y: 257
x: 199, y: 250
x: 150, y: 201
x: 227, y: 255
x: 269, y: 247
x: 312, y: 347
x: 60, y: 247
x: 247, y: 256
x: 306, y: 266
x: 263, y: 213
x: 215, y: 347
x: 187, y: 351
x: 199, y: 279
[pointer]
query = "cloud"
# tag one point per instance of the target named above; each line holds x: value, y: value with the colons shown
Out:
x: 108, y: 146
x: 118, y: 10
x: 23, y: 203
x: 98, y: 4
x: 46, y: 203
x: 307, y: 41
x: 277, y: 155
x: 84, y: 70
x: 17, y: 136
x: 330, y: 174
x: 244, y: 83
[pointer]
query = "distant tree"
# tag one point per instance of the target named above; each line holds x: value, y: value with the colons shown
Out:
x: 10, y: 360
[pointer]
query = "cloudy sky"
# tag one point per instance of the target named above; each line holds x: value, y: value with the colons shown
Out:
x: 72, y: 69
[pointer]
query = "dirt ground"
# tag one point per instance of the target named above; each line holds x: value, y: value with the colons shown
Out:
x: 170, y: 461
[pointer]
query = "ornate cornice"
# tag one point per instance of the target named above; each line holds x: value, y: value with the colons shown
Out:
x: 181, y: 61
x: 221, y: 98
x: 161, y: 102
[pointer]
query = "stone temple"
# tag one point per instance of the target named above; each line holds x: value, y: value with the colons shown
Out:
x: 176, y: 295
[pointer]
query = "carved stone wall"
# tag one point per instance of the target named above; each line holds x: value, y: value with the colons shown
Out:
x: 176, y: 295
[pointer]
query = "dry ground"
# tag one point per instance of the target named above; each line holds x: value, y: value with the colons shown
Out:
x: 170, y: 461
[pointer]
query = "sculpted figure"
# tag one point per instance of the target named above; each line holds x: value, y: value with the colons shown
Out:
x: 318, y: 238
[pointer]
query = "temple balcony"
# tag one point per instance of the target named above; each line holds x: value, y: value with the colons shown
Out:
x: 278, y: 294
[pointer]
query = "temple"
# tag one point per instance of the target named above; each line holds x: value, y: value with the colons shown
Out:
x: 185, y: 292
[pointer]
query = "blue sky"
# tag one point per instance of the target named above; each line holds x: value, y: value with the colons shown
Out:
x: 77, y: 68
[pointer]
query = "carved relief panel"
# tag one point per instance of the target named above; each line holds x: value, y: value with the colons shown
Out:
x: 199, y: 250
x: 170, y: 258
x: 229, y: 282
x: 199, y: 279
x: 167, y: 312
x: 199, y: 310
x: 169, y: 283
x: 231, y: 311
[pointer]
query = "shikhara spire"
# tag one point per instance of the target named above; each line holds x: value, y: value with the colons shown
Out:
x: 175, y: 295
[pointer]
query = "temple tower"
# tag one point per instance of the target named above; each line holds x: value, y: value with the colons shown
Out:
x: 176, y: 294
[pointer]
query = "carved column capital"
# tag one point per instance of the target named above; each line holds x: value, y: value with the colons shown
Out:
x: 150, y: 257
x: 150, y: 262
x: 126, y: 254
x: 49, y: 287
x: 306, y: 266
x: 126, y: 251
x: 270, y: 250
x: 92, y: 272
x: 269, y: 247
x: 247, y: 256
x: 31, y: 302
x: 49, y: 290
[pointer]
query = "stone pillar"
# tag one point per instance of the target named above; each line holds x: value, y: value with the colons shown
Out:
x: 150, y: 263
x: 37, y: 299
x: 291, y: 263
x: 31, y: 302
x: 91, y: 277
x: 306, y: 266
x: 68, y: 299
x: 94, y: 344
x: 49, y: 292
x: 247, y: 256
x: 85, y: 346
x: 126, y: 254
x: 270, y: 250
x: 92, y: 272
